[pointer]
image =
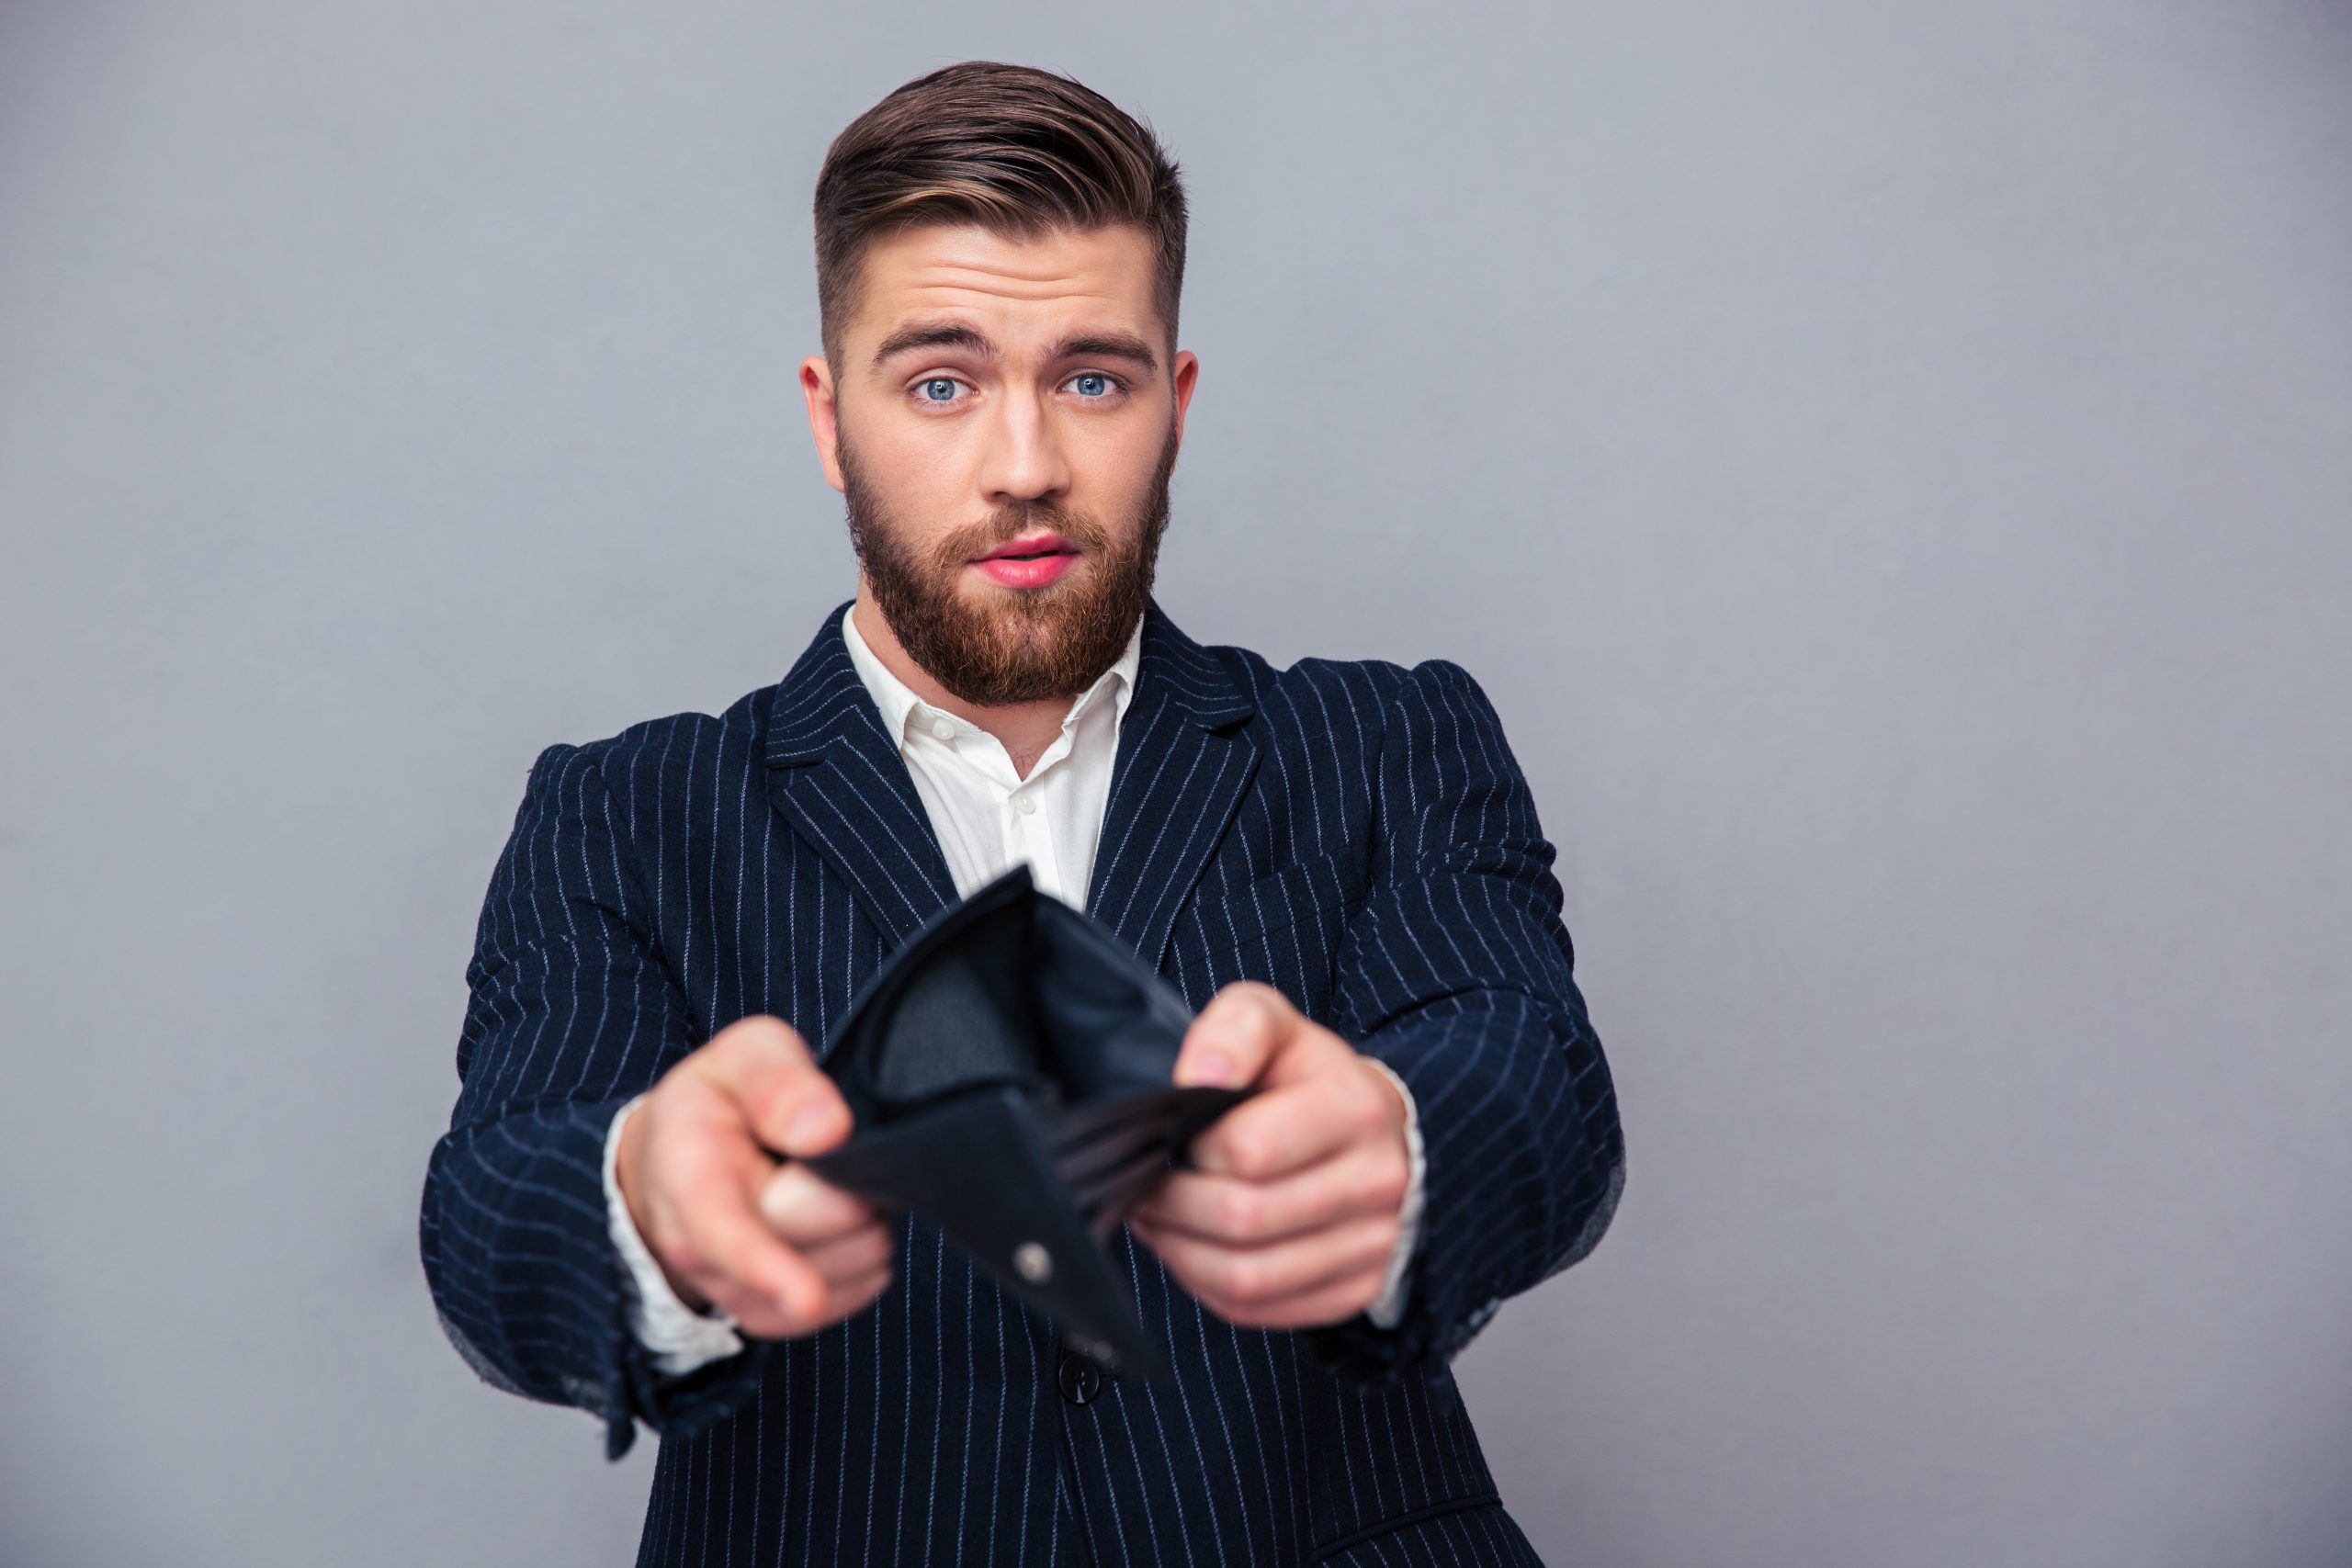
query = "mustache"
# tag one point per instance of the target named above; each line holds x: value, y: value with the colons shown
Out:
x: 1008, y: 524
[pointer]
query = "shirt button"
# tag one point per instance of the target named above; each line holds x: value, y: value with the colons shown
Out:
x: 1081, y: 1380
x: 1026, y: 804
x: 944, y: 728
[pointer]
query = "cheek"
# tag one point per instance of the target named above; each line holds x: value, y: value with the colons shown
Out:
x: 918, y: 492
x: 1112, y: 475
x: 918, y: 471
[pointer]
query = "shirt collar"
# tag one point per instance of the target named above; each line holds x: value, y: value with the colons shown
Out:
x: 898, y: 702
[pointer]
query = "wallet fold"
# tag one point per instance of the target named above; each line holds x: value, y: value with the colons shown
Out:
x: 1009, y: 1072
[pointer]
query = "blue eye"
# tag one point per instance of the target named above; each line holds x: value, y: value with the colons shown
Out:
x: 1093, y: 386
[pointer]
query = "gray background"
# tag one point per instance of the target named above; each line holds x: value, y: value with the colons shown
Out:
x: 1891, y: 464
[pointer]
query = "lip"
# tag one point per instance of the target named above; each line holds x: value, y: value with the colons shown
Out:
x: 1025, y: 574
x: 1030, y: 547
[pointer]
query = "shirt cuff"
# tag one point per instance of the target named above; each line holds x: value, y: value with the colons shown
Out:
x: 1387, y: 1309
x: 680, y: 1337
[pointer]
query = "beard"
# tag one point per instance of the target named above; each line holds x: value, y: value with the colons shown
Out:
x: 1013, y: 644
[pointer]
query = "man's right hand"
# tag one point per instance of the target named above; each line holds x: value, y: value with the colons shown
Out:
x: 782, y: 1251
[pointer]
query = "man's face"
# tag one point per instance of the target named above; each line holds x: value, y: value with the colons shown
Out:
x: 995, y: 392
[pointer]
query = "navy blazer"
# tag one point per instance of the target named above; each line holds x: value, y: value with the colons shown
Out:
x: 1354, y: 832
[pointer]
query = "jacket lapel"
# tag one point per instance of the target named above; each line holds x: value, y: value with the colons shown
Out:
x: 1186, y: 756
x: 838, y: 777
x: 1184, y: 760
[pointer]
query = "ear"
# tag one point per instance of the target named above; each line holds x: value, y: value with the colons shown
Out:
x: 817, y: 386
x: 1183, y: 371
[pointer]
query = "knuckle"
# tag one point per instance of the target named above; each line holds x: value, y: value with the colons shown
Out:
x: 1209, y: 1271
x: 1241, y: 1211
x: 752, y: 1311
x: 682, y: 1252
x: 731, y: 1050
x: 1246, y: 1280
x: 1243, y: 997
x: 1248, y: 1152
x: 762, y: 1034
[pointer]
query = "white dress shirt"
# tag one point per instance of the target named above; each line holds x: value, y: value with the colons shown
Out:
x: 988, y: 819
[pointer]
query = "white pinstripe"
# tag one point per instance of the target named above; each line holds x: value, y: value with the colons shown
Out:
x: 1389, y: 873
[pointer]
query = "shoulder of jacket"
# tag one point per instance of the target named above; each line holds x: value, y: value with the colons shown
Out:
x: 1382, y: 678
x: 671, y: 739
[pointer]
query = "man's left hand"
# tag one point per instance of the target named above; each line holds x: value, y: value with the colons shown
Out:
x: 1291, y: 1217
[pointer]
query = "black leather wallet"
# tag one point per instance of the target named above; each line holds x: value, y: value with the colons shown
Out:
x: 1008, y: 1067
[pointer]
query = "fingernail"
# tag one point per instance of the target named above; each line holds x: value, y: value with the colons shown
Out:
x: 1212, y: 1069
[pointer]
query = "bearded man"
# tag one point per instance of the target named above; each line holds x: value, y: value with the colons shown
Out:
x: 1338, y: 864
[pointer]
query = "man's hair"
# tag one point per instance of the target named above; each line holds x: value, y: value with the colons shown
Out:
x: 1020, y: 152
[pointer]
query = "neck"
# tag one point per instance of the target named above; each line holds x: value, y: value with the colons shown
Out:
x: 1025, y: 730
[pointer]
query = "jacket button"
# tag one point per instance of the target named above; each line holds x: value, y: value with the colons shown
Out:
x: 1081, y: 1380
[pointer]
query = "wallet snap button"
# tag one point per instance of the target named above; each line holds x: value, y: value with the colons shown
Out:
x: 1081, y: 1380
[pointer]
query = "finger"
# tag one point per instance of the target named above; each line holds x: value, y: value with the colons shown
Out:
x: 1246, y: 1278
x: 1334, y: 1303
x: 761, y: 1064
x: 1318, y: 1095
x: 856, y: 1295
x: 859, y: 1289
x: 805, y: 1208
x: 737, y: 1264
x: 710, y: 1231
x: 1278, y: 1132
x: 1233, y: 1038
x: 852, y: 1257
x: 844, y: 1297
x: 1238, y: 1212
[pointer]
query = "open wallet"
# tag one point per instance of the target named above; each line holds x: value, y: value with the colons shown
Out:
x: 1010, y: 1071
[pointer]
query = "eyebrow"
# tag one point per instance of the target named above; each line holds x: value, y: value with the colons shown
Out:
x: 1110, y: 344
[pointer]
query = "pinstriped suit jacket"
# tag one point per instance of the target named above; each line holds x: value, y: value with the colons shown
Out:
x: 1354, y: 832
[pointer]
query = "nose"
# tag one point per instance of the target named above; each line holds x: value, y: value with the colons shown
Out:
x: 1025, y: 461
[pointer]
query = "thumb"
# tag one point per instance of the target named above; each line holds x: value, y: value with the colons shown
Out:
x: 1235, y: 1036
x: 790, y: 1103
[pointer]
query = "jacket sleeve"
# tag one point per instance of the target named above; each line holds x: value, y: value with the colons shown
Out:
x: 1457, y: 973
x: 572, y: 1011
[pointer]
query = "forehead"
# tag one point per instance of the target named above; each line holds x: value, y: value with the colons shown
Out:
x: 1015, y: 289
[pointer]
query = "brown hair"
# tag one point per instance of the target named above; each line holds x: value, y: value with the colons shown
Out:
x: 1018, y: 151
